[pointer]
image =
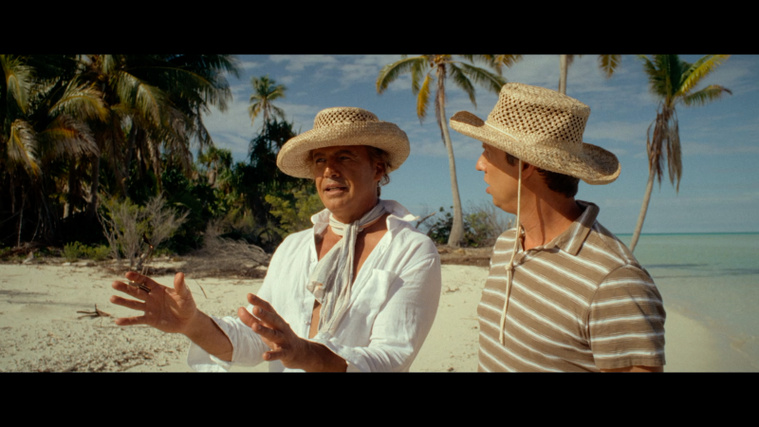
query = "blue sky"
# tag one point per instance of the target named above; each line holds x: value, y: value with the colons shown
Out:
x: 718, y: 191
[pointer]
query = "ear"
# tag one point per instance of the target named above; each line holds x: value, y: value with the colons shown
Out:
x: 528, y: 170
x: 380, y: 169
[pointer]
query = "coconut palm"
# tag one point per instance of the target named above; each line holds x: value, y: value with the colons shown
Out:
x: 45, y: 134
x: 674, y: 82
x: 265, y: 92
x: 156, y: 103
x: 607, y: 63
x: 428, y: 74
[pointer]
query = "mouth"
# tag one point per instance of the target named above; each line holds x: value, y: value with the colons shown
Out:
x: 335, y: 188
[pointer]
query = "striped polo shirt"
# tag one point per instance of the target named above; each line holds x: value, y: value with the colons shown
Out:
x: 579, y: 303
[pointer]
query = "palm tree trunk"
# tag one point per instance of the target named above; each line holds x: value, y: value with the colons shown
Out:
x: 643, y: 210
x: 456, y: 235
x: 92, y: 207
x: 563, y: 67
x: 21, y: 217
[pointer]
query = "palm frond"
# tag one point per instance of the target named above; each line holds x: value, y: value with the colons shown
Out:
x: 16, y: 81
x: 460, y: 77
x: 82, y: 100
x: 147, y: 99
x: 67, y: 137
x: 705, y: 95
x: 490, y: 80
x: 21, y: 147
x: 423, y: 97
x: 390, y: 72
x: 609, y: 63
x: 498, y: 62
x: 674, y: 153
x: 700, y: 69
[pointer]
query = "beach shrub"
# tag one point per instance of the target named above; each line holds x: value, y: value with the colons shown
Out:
x: 98, y: 252
x: 482, y: 226
x: 132, y: 229
x: 294, y: 213
x: 76, y: 250
x: 73, y: 251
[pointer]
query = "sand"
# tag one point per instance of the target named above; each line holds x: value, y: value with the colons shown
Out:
x: 43, y: 327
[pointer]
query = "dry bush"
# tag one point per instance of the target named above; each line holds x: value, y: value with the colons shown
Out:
x: 223, y: 257
x: 132, y: 229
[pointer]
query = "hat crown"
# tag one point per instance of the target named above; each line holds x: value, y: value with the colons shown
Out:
x: 342, y: 126
x: 536, y: 114
x: 343, y: 116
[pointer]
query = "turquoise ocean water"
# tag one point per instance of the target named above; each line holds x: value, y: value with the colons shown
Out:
x: 713, y: 279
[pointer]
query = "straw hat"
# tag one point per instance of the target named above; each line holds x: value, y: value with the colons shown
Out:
x: 343, y: 126
x: 543, y: 128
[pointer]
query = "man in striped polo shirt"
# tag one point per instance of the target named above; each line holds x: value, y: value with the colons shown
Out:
x: 563, y: 293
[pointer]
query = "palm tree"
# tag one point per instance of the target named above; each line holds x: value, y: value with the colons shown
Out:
x: 45, y: 134
x: 673, y: 81
x: 61, y: 114
x: 607, y: 63
x: 265, y: 91
x: 430, y: 70
x: 156, y: 103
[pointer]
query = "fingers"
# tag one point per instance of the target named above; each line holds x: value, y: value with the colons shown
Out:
x: 130, y: 290
x: 128, y: 303
x: 258, y: 302
x: 256, y: 323
x: 131, y: 321
x: 266, y: 315
x: 179, y: 284
x: 246, y: 317
x: 140, y: 279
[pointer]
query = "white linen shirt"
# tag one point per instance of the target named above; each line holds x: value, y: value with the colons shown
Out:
x: 393, y: 301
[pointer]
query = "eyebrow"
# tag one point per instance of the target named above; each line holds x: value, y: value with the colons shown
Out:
x: 338, y: 152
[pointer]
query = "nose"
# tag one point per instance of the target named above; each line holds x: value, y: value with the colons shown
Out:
x: 480, y: 165
x: 330, y: 169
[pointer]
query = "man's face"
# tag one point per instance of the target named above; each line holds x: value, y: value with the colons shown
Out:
x: 346, y: 180
x: 501, y: 177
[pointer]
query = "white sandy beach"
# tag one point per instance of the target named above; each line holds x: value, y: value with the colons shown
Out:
x: 41, y: 329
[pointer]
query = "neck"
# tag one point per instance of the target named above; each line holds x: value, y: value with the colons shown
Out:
x: 545, y: 218
x: 350, y: 217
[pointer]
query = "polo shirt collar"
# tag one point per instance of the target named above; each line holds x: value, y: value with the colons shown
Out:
x: 572, y: 239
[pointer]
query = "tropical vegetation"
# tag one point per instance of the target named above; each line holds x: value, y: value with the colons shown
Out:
x: 429, y: 74
x: 674, y: 82
x: 93, y: 145
x: 265, y: 92
x: 86, y: 140
x: 608, y: 64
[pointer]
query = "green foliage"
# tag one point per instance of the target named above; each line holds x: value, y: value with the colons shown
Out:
x: 265, y: 91
x: 482, y: 226
x: 76, y: 250
x: 73, y: 127
x: 673, y: 81
x: 294, y: 211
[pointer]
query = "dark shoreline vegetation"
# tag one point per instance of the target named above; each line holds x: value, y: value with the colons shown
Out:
x: 111, y: 150
x: 90, y: 142
x: 107, y: 157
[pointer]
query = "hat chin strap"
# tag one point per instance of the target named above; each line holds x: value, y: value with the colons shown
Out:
x: 510, y: 266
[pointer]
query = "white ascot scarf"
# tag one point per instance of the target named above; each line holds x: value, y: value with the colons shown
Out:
x: 332, y: 279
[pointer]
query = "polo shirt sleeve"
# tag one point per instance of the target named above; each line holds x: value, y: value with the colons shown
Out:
x: 626, y: 321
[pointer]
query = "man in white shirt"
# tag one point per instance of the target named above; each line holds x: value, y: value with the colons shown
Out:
x: 357, y: 292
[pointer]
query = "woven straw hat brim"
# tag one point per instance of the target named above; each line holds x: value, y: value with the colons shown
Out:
x: 588, y: 162
x: 293, y: 158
